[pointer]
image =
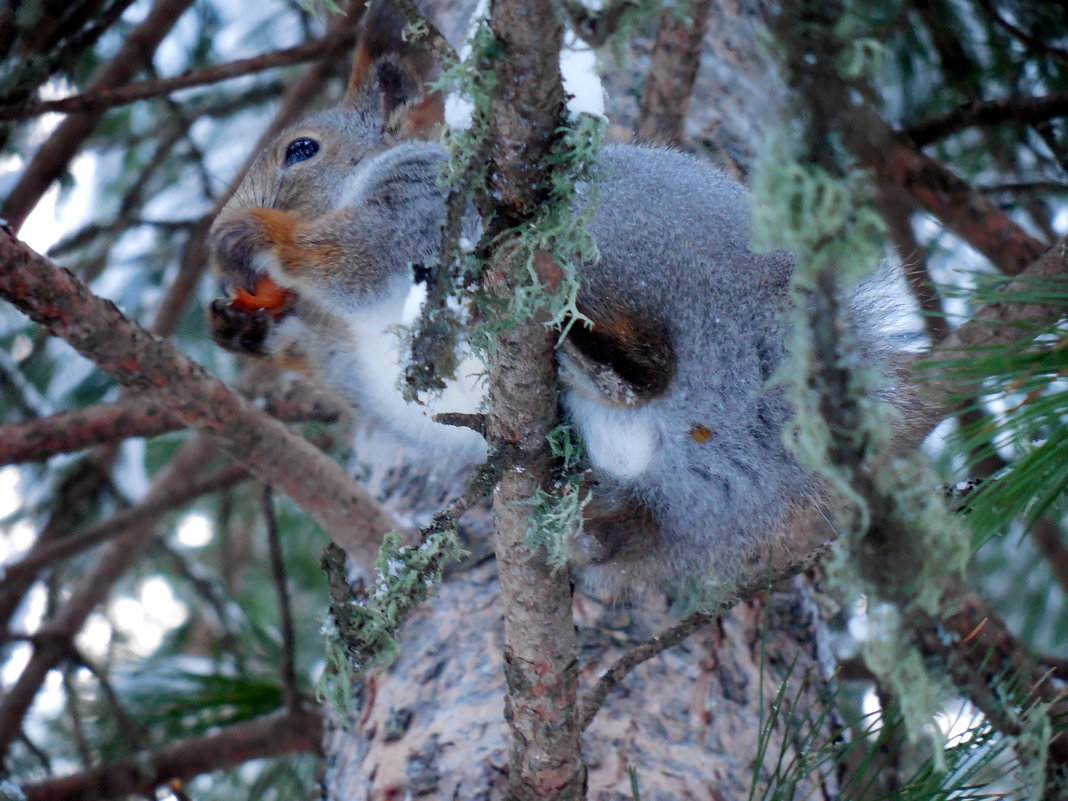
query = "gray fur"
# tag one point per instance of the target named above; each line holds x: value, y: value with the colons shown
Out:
x: 692, y: 470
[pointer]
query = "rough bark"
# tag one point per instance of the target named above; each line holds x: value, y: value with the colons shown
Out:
x: 539, y: 643
x: 141, y: 415
x: 689, y: 720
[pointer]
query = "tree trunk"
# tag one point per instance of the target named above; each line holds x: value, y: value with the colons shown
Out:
x: 689, y: 721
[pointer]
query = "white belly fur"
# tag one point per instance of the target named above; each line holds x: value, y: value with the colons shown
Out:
x: 380, y: 353
x: 621, y: 441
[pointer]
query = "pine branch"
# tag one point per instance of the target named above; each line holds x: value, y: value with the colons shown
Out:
x: 285, y: 732
x: 672, y: 71
x: 1003, y: 323
x: 896, y: 209
x: 1035, y: 43
x: 53, y: 642
x: 1009, y: 110
x: 75, y: 497
x: 837, y: 105
x: 46, y: 553
x: 290, y: 689
x: 54, y: 156
x: 995, y: 671
x: 106, y: 97
x: 1049, y: 540
x: 541, y: 669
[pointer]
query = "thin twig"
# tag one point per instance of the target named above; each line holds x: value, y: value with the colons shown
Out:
x: 105, y: 98
x: 54, y: 156
x: 1035, y: 43
x: 290, y: 691
x: 285, y: 732
x: 181, y: 492
x: 672, y: 636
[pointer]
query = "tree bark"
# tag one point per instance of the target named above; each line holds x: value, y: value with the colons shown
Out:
x: 689, y: 721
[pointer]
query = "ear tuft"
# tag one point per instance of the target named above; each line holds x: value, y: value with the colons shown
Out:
x: 389, y: 76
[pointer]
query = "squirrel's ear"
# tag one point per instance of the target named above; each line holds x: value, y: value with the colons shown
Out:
x: 390, y: 76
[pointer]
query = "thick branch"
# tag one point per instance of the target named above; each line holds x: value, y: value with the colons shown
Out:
x: 105, y: 98
x: 540, y: 660
x: 1021, y: 110
x: 288, y: 732
x: 138, y: 359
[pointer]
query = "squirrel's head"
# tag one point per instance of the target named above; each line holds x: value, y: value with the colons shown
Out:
x: 312, y: 167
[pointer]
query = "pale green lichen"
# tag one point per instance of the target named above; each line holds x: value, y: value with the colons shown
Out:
x: 363, y: 633
x: 834, y: 232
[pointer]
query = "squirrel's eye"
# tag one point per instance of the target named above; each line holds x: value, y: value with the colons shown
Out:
x: 301, y: 150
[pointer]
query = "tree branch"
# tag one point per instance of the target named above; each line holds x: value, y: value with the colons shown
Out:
x: 1033, y: 42
x: 48, y: 552
x: 55, y: 154
x: 893, y: 158
x: 143, y: 415
x: 1018, y: 110
x: 672, y: 72
x: 290, y: 692
x: 53, y: 642
x: 285, y: 732
x: 138, y: 359
x: 895, y: 209
x: 540, y: 659
x: 105, y: 98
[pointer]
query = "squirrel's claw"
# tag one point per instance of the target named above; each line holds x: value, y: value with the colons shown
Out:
x: 237, y: 330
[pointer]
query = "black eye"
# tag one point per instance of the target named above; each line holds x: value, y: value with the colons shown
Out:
x: 301, y: 150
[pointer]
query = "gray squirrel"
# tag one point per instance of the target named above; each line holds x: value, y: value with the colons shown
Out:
x: 669, y: 388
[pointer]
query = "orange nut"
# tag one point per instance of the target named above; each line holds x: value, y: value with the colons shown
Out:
x: 266, y: 294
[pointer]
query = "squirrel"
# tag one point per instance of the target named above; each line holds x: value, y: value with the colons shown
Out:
x: 668, y: 388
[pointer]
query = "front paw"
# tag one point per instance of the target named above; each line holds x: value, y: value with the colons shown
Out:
x: 239, y: 330
x: 241, y: 245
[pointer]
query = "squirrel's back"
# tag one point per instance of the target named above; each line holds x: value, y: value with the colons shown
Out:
x: 705, y: 455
